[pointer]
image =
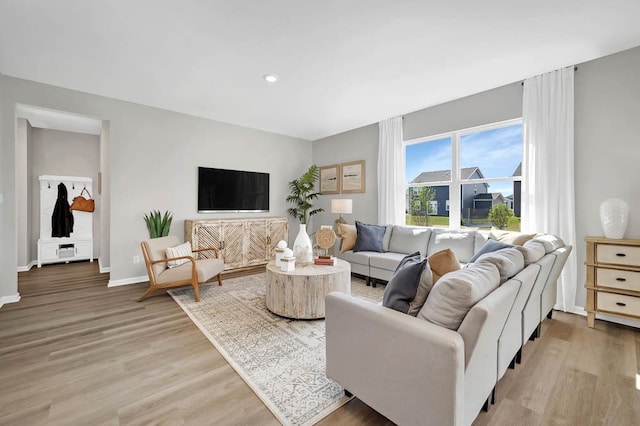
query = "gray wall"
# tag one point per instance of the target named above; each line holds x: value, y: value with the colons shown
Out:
x: 54, y: 152
x: 153, y: 156
x: 607, y: 145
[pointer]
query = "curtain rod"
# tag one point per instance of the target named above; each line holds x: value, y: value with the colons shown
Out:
x: 575, y: 68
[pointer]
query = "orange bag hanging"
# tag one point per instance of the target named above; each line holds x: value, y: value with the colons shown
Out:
x: 83, y: 204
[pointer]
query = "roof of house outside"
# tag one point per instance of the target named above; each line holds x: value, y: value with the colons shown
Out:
x: 495, y: 196
x: 445, y: 175
x: 518, y: 170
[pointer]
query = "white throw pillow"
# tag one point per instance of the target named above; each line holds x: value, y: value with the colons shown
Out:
x: 177, y: 251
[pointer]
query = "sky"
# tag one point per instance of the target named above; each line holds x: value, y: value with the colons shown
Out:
x: 497, y: 152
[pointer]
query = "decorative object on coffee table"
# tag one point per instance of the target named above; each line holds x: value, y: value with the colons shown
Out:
x: 325, y: 238
x: 300, y: 294
x: 341, y: 206
x: 614, y: 215
x: 279, y: 251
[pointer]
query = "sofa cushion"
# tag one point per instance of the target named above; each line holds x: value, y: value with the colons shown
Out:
x: 515, y: 238
x: 403, y: 285
x: 369, y: 237
x: 348, y: 233
x: 442, y: 263
x: 454, y: 294
x: 183, y: 249
x: 461, y: 242
x: 407, y: 240
x: 488, y: 247
x: 424, y: 288
x: 360, y: 257
x: 481, y: 239
x: 532, y: 251
x: 550, y: 242
x: 387, y: 237
x: 388, y: 261
x: 509, y: 262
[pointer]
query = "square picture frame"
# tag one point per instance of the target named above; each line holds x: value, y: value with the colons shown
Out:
x: 352, y: 177
x: 330, y: 179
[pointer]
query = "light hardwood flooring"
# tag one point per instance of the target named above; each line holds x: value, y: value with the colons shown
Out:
x: 74, y: 352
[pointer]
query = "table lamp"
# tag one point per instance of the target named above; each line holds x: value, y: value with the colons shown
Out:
x: 341, y: 206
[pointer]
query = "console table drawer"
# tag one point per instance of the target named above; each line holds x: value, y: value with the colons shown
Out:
x: 618, y: 255
x: 619, y: 303
x: 615, y: 278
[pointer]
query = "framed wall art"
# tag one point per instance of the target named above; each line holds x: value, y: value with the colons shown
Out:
x: 330, y: 179
x: 352, y: 177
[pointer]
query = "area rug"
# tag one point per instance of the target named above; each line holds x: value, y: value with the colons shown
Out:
x: 282, y: 360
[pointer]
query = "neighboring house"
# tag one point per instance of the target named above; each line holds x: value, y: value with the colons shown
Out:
x: 488, y: 200
x: 440, y: 204
x: 509, y: 201
x: 517, y: 191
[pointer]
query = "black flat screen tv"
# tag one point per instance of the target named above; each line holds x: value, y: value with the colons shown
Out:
x: 221, y: 190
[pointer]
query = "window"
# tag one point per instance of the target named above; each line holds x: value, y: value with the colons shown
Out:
x: 483, y: 190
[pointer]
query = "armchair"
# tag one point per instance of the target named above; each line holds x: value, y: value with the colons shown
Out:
x: 193, y: 272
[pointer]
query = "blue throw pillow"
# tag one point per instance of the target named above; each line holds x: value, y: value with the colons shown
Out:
x: 403, y: 285
x: 369, y: 237
x: 488, y: 247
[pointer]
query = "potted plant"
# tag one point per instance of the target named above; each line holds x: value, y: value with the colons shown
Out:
x: 158, y: 224
x: 302, y: 196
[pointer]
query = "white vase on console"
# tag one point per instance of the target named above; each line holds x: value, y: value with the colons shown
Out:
x: 302, y: 248
x: 614, y: 215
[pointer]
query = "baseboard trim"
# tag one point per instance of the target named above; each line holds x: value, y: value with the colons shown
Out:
x: 579, y: 310
x: 103, y: 269
x: 127, y: 281
x: 14, y: 298
x: 28, y: 267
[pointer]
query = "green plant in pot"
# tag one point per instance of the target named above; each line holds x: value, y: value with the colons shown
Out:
x: 158, y: 224
x: 302, y: 194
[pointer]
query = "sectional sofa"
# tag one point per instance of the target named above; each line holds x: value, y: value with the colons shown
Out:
x: 417, y: 372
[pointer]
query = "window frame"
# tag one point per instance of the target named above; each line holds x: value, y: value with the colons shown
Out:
x: 455, y: 184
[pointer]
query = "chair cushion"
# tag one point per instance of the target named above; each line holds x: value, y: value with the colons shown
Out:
x: 454, y: 294
x: 488, y: 247
x: 461, y: 242
x: 177, y: 251
x: 369, y: 237
x: 401, y: 288
x: 206, y: 269
x: 348, y: 233
x: 388, y: 261
x: 407, y: 240
x: 157, y: 250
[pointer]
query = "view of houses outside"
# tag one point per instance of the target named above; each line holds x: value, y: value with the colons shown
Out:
x: 489, y: 154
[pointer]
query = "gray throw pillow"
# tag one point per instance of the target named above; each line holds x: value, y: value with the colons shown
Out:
x: 488, y: 247
x: 369, y: 237
x: 403, y: 285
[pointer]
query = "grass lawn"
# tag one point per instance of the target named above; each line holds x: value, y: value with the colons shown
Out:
x: 433, y: 220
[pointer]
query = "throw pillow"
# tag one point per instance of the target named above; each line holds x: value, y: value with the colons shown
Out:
x: 443, y: 262
x: 488, y: 247
x: 348, y: 233
x: 455, y: 294
x: 424, y: 287
x: 510, y: 237
x: 177, y: 251
x: 369, y: 237
x: 403, y: 285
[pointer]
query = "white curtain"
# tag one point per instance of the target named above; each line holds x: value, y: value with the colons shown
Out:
x: 548, y: 199
x: 390, y: 172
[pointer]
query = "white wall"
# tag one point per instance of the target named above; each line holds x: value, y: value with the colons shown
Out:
x: 153, y: 156
x: 58, y: 153
x: 607, y: 145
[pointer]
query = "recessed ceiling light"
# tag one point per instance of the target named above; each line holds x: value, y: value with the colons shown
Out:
x: 270, y: 78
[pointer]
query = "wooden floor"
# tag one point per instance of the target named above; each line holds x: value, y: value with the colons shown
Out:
x: 74, y: 352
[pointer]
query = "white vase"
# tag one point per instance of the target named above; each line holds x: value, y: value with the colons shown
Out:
x: 614, y: 215
x: 302, y: 249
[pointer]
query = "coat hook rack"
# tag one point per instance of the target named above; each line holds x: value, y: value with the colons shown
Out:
x: 73, y: 186
x: 48, y: 185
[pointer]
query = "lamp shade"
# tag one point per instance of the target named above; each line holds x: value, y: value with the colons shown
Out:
x: 341, y: 206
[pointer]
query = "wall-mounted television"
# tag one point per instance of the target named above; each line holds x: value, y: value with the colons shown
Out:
x: 235, y: 191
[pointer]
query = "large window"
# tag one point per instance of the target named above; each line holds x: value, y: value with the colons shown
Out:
x: 484, y: 188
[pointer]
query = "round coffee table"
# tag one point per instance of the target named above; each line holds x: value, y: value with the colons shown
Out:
x: 300, y: 293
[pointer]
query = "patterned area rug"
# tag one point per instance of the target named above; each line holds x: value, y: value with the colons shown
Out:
x: 282, y: 360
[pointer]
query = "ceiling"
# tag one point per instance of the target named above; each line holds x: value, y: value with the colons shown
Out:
x: 342, y: 64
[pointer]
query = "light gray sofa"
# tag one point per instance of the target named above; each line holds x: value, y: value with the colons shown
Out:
x: 423, y: 373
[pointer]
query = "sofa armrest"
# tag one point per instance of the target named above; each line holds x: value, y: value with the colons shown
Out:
x: 409, y: 370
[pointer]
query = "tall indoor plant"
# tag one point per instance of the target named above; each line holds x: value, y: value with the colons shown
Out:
x: 301, y: 196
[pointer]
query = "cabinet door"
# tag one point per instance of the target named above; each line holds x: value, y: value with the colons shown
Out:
x: 278, y: 229
x: 207, y: 235
x: 83, y: 249
x: 49, y: 252
x: 232, y: 243
x: 256, y: 242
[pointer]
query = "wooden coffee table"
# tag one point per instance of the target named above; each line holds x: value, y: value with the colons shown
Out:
x: 300, y: 293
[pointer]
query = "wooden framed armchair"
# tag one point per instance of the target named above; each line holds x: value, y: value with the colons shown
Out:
x: 193, y: 272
